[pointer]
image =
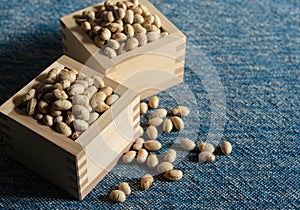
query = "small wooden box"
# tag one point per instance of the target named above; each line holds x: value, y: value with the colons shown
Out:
x: 148, y: 69
x: 75, y: 167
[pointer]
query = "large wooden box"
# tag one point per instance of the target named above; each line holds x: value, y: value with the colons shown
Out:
x: 148, y: 69
x: 75, y: 166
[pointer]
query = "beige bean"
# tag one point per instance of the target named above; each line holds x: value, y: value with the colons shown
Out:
x: 226, y: 147
x: 164, y: 34
x: 182, y: 111
x: 107, y: 90
x: 99, y: 42
x: 146, y: 181
x: 54, y: 112
x: 60, y: 94
x: 156, y: 121
x: 31, y: 105
x: 170, y: 156
x: 151, y: 28
x: 177, y: 122
x: 142, y: 156
x: 76, y: 89
x: 69, y: 117
x: 211, y: 158
x: 153, y: 102
x: 98, y: 98
x: 129, y: 156
x: 137, y: 10
x: 206, y: 147
x: 149, y: 19
x: 152, y: 132
x: 153, y: 36
x: 62, y: 105
x: 84, y: 83
x: 48, y: 120
x: 58, y: 86
x: 89, y: 108
x: 138, y: 18
x: 80, y: 125
x: 117, y: 196
x: 122, y: 5
x: 90, y: 91
x: 29, y: 95
x: 145, y: 11
x: 120, y: 22
x: 187, y: 144
x: 80, y: 21
x: 162, y: 113
x: 47, y: 88
x: 140, y: 131
x: 114, y: 44
x: 119, y: 37
x: 109, y: 17
x: 73, y: 71
x: 152, y: 161
x: 128, y: 29
x: 167, y: 126
x: 57, y: 119
x: 75, y: 135
x: 111, y: 99
x: 101, y: 107
x: 135, y: 2
x: 89, y: 80
x: 115, y: 27
x: 96, y: 30
x: 67, y: 75
x: 164, y: 167
x: 138, y: 29
x: 38, y: 116
x: 64, y: 84
x: 152, y: 145
x: 157, y: 21
x: 143, y: 108
x: 93, y: 117
x: 173, y: 175
x: 105, y: 34
x: 43, y: 106
x: 142, y: 38
x: 53, y: 73
x: 138, y: 144
x: 63, y: 128
x: 90, y: 14
x: 81, y: 100
x: 109, y: 52
x: 129, y: 15
x: 86, y: 26
x: 98, y: 81
x: 120, y: 13
x: 81, y: 112
x: 81, y: 76
x: 124, y: 187
x: 206, y: 157
x: 122, y: 48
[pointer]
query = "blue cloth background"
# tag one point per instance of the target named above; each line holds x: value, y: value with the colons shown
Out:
x: 253, y: 46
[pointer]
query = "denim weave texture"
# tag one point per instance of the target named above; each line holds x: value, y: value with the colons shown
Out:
x: 254, y: 49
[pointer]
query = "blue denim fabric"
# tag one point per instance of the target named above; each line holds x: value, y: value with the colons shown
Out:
x: 251, y: 47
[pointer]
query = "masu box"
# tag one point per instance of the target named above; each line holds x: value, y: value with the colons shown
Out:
x: 75, y: 166
x: 148, y: 69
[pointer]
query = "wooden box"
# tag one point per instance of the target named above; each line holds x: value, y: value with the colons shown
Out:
x: 75, y: 166
x: 148, y: 69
